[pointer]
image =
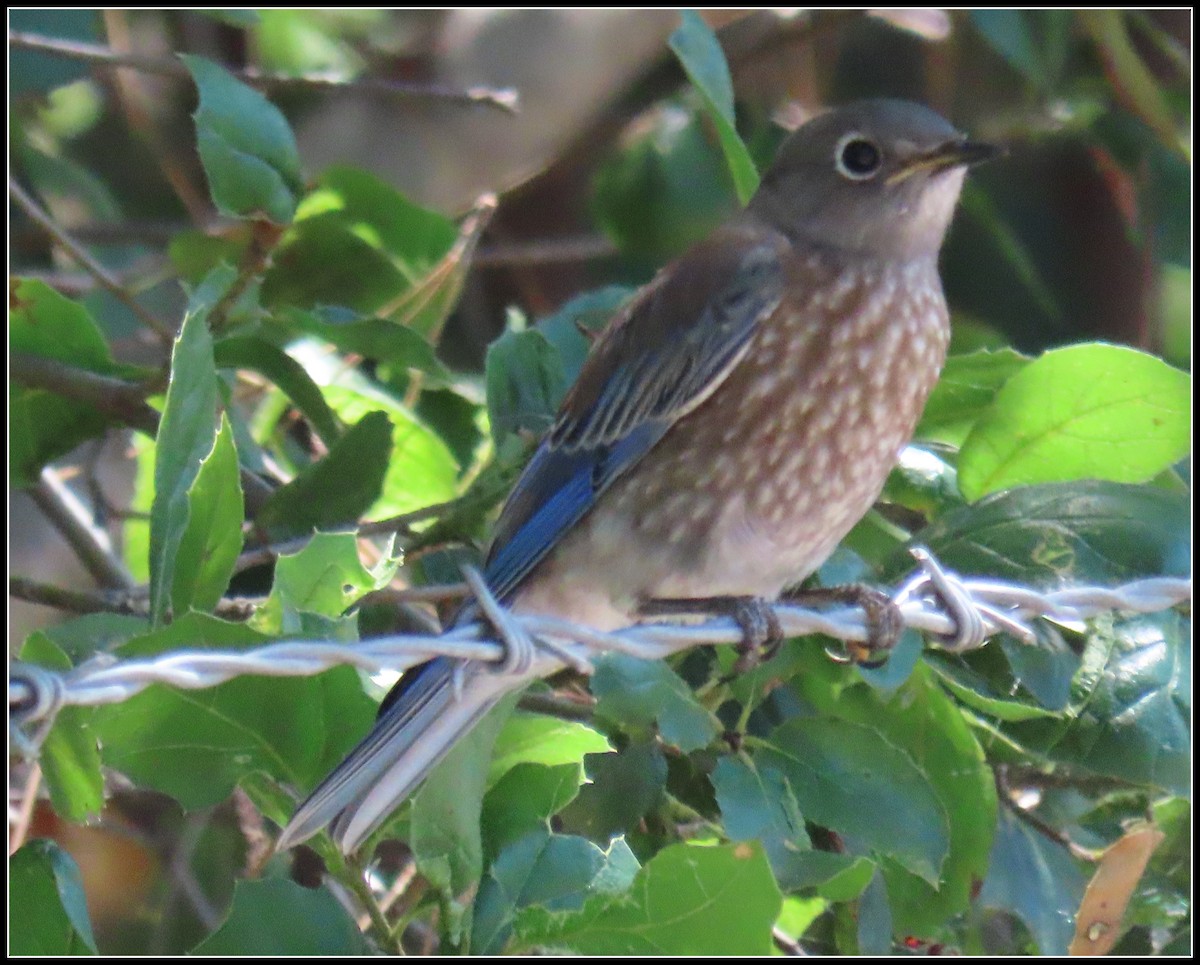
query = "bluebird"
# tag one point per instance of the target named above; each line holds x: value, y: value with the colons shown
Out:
x: 731, y: 424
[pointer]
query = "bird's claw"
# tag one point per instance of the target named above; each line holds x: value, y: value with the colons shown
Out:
x: 885, y: 622
x: 762, y: 634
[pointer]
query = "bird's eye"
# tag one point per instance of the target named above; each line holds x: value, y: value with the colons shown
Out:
x: 857, y: 158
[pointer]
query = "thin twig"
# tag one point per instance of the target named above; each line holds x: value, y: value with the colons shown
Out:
x: 120, y: 400
x: 545, y: 251
x: 503, y: 99
x: 131, y: 603
x: 130, y: 94
x: 74, y: 601
x: 35, y: 213
x: 564, y: 708
x: 477, y: 499
x: 19, y: 830
x: 264, y: 236
x: 1035, y: 821
x: 72, y: 519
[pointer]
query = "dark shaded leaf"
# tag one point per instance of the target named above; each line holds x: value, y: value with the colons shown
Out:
x: 550, y: 871
x: 1037, y: 880
x: 279, y: 917
x: 248, y: 352
x: 1130, y: 705
x: 246, y: 146
x: 832, y: 767
x: 700, y: 53
x: 337, y: 490
x: 638, y: 693
x: 525, y: 383
x: 1063, y: 533
x: 47, y: 911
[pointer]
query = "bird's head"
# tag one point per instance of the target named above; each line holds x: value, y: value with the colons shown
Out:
x: 878, y: 178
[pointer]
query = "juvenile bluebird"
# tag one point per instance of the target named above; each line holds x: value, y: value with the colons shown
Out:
x: 732, y: 423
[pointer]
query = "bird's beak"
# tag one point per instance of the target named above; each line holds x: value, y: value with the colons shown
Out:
x: 952, y: 154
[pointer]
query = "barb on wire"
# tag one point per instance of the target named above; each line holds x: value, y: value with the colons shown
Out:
x: 959, y: 613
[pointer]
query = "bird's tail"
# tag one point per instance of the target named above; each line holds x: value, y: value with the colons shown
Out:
x: 417, y: 725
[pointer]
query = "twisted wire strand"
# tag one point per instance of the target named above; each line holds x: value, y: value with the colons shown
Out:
x: 958, y: 613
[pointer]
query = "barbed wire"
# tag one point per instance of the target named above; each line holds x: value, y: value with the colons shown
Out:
x: 958, y: 613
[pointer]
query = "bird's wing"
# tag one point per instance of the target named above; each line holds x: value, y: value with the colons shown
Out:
x: 667, y: 351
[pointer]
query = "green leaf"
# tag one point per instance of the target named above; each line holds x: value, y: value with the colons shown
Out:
x: 47, y: 911
x: 1085, y: 411
x: 539, y: 739
x: 981, y: 694
x: 667, y: 190
x: 760, y: 805
x: 1007, y: 32
x: 686, y: 901
x: 524, y: 800
x: 965, y: 391
x: 621, y: 790
x: 1084, y: 532
x: 1037, y: 880
x: 197, y: 745
x: 1130, y: 705
x: 69, y: 756
x: 421, y: 470
x: 445, y: 821
x: 525, y: 383
x: 357, y: 242
x: 920, y: 720
x: 246, y: 146
x: 337, y: 490
x: 325, y: 578
x: 34, y: 70
x: 378, y: 339
x: 235, y: 18
x: 209, y: 548
x: 550, y: 871
x: 591, y: 310
x: 832, y: 767
x: 700, y: 53
x: 185, y: 438
x: 835, y: 877
x: 247, y: 352
x: 279, y: 917
x: 1136, y: 85
x: 874, y: 919
x: 638, y: 693
x: 42, y: 425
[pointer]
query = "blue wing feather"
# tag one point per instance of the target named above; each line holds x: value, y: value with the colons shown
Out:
x: 667, y: 350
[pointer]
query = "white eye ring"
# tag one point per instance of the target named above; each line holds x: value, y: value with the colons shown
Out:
x: 857, y: 157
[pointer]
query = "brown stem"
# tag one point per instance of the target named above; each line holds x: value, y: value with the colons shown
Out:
x: 35, y: 214
x: 120, y: 400
x: 504, y: 99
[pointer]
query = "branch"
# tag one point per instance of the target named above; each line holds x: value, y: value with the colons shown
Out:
x: 132, y: 603
x: 72, y: 520
x: 503, y: 99
x: 35, y: 214
x: 120, y: 400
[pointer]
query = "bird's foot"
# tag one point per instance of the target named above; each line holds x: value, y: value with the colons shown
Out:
x: 761, y: 632
x: 885, y: 622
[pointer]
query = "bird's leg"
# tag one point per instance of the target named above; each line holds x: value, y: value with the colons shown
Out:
x: 885, y: 622
x: 761, y: 632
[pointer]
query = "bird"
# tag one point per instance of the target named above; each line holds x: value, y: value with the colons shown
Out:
x: 733, y: 421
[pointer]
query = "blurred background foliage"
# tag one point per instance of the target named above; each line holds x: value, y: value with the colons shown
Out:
x: 424, y: 251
